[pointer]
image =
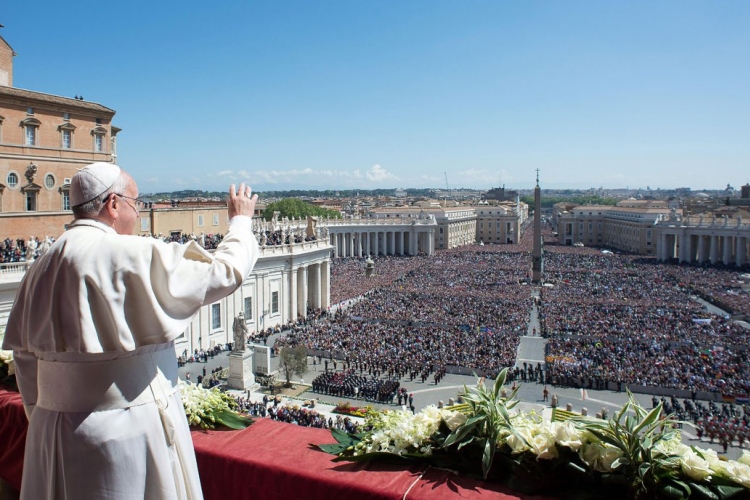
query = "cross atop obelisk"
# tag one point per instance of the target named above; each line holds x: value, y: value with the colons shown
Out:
x: 537, y: 264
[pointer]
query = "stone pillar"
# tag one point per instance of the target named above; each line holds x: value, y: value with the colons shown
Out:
x: 359, y: 245
x: 685, y: 248
x: 741, y: 252
x: 714, y: 252
x: 293, y: 295
x: 326, y: 284
x: 413, y: 243
x: 662, y: 250
x: 727, y: 250
x: 318, y: 287
x: 701, y: 249
x: 332, y: 241
x: 302, y: 292
x: 393, y: 243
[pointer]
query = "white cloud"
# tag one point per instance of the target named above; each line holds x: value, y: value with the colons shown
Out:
x: 379, y: 174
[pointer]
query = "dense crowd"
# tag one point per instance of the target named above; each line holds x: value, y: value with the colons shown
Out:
x: 21, y: 250
x: 293, y: 414
x: 279, y: 237
x: 463, y: 308
x: 349, y: 384
x: 612, y: 318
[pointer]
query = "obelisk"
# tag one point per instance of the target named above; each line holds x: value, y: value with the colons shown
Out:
x: 537, y: 262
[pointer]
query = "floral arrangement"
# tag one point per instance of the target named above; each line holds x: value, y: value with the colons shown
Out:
x: 355, y: 411
x: 7, y: 369
x: 637, y: 454
x: 208, y: 407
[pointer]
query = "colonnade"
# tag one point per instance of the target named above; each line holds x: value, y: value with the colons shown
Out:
x: 392, y: 241
x: 309, y: 286
x: 703, y: 248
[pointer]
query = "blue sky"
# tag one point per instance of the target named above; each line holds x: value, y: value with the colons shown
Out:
x: 381, y: 94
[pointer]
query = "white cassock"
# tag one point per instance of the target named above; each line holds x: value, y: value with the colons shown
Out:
x: 92, y: 330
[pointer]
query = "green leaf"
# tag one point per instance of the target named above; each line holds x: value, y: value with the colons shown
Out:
x: 705, y: 491
x: 489, y: 453
x: 233, y: 420
x: 341, y: 436
x: 499, y: 381
x: 461, y: 432
x: 675, y: 489
x: 650, y: 418
x: 727, y: 490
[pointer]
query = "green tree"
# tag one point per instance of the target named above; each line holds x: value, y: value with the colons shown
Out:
x: 293, y: 362
x: 293, y: 207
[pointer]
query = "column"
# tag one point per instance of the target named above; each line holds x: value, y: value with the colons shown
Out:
x: 701, y: 249
x: 317, y: 288
x: 402, y: 240
x: 359, y: 245
x: 392, y: 243
x: 332, y: 241
x: 326, y: 284
x: 413, y: 243
x: 727, y: 250
x: 714, y: 252
x: 302, y: 292
x: 662, y: 250
x: 292, y: 295
x: 352, y: 253
x: 739, y: 256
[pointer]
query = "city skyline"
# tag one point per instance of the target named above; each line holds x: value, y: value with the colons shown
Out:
x: 341, y: 96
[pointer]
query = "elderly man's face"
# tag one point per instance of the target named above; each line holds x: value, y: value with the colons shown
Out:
x: 128, y: 213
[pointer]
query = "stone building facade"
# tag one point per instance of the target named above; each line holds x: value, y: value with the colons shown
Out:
x: 623, y: 228
x: 44, y: 139
x: 501, y: 223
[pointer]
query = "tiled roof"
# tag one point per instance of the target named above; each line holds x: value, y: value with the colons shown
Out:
x: 53, y: 99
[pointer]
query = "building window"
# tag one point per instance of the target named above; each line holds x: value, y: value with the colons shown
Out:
x: 248, y: 308
x: 215, y: 316
x: 49, y: 181
x: 274, y: 302
x: 12, y: 180
x: 29, y: 110
x: 144, y: 223
x: 66, y: 200
x: 216, y: 219
x: 67, y: 139
x: 98, y: 121
x: 200, y: 221
x: 66, y: 116
x: 98, y: 143
x: 30, y: 135
x: 31, y: 201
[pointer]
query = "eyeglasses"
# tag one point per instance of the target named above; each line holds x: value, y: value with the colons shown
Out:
x: 137, y: 202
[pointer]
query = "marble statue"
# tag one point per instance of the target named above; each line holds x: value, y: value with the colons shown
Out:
x: 239, y: 329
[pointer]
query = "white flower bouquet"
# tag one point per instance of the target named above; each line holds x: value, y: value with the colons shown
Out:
x: 7, y: 369
x: 205, y: 408
x: 636, y: 454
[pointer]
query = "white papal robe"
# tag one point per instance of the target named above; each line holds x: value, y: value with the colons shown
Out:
x: 92, y: 330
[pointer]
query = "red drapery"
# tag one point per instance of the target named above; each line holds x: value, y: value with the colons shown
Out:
x: 275, y: 461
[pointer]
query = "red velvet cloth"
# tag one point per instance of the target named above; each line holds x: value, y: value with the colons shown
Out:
x: 275, y: 461
x: 13, y: 426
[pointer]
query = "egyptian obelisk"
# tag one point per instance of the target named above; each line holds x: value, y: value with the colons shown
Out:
x: 537, y: 264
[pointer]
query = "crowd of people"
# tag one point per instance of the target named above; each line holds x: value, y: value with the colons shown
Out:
x: 21, y: 250
x: 463, y: 308
x: 349, y: 384
x: 207, y: 241
x: 279, y: 237
x: 613, y: 318
x: 274, y: 409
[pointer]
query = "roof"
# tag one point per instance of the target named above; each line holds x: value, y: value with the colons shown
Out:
x: 53, y: 99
